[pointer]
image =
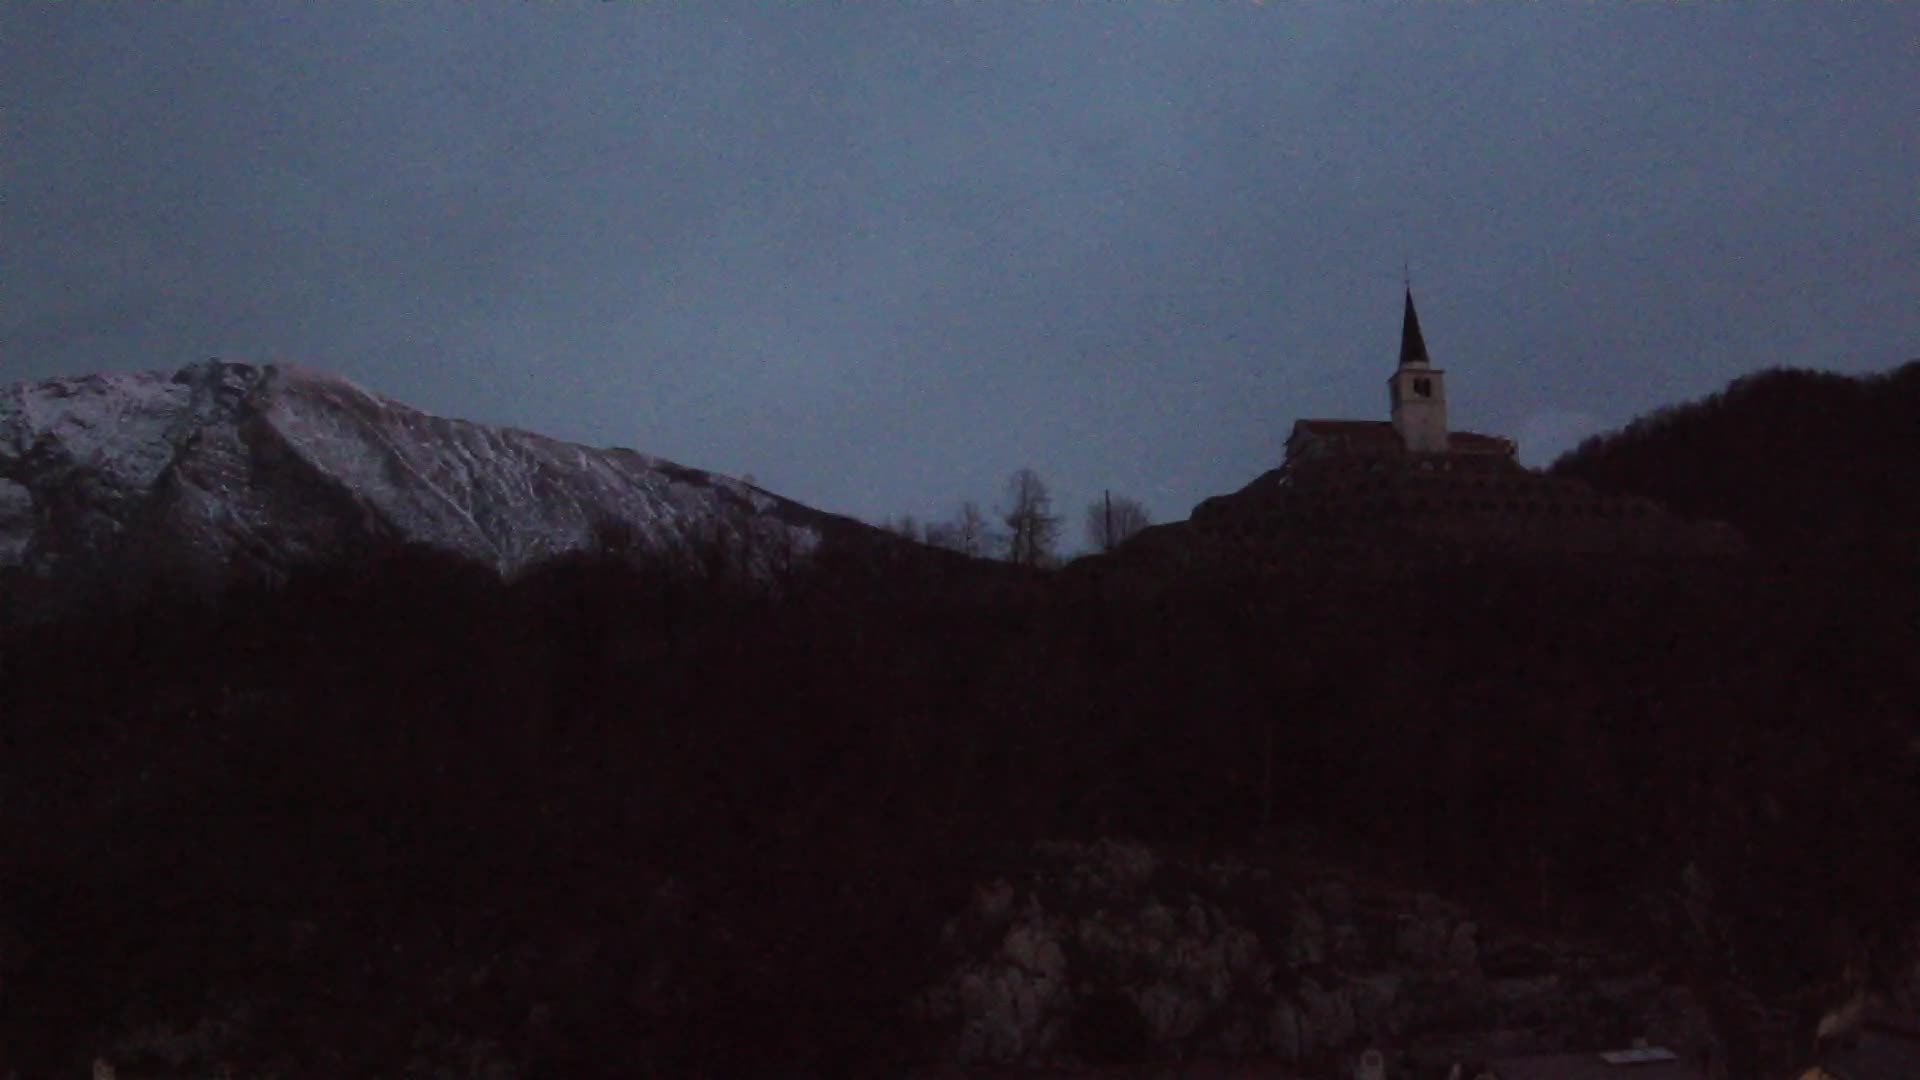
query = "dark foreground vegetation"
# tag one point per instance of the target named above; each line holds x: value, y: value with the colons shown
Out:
x: 623, y: 818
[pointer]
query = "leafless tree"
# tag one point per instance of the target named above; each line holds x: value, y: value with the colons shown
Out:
x: 965, y: 533
x: 1032, y: 527
x: 1114, y: 518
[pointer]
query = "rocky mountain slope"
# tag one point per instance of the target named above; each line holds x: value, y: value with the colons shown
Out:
x: 222, y: 469
x: 1112, y: 953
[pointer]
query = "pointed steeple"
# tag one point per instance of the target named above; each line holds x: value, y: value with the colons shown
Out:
x: 1413, y: 347
x: 1418, y: 391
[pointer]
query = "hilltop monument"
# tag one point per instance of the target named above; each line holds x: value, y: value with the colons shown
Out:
x: 1417, y: 402
x: 1379, y: 490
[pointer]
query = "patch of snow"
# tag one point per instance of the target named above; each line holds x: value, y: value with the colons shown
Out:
x: 115, y: 425
x: 261, y: 457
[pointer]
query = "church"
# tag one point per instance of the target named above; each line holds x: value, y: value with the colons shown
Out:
x: 1417, y: 392
x: 1380, y: 490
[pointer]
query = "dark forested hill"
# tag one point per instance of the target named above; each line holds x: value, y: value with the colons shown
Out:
x: 1797, y: 460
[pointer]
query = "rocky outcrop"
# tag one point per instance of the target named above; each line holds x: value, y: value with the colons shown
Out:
x: 1109, y: 953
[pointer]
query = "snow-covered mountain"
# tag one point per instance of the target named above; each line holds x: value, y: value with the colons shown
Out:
x: 226, y: 469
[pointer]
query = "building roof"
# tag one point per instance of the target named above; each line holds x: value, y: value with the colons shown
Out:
x: 1469, y: 442
x: 1357, y: 434
x: 1594, y: 1067
x: 1379, y: 436
x: 1413, y: 347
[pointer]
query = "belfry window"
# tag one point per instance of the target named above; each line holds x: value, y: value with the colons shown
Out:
x: 1423, y: 387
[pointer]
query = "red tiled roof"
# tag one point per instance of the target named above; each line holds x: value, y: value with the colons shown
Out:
x: 1375, y: 435
x: 1379, y: 435
x: 1472, y: 442
x: 1341, y: 427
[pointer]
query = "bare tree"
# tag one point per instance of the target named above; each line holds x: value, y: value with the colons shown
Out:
x: 1113, y: 519
x: 971, y: 529
x: 905, y: 527
x: 1032, y: 527
x: 965, y: 533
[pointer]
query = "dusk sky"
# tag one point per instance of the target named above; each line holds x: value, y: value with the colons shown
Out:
x: 879, y: 255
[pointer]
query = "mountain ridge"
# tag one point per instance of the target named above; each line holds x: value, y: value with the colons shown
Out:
x: 221, y: 468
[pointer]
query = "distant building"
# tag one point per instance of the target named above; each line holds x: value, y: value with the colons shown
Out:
x: 1382, y: 487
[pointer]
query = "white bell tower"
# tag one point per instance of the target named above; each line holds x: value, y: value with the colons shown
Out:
x: 1418, y: 391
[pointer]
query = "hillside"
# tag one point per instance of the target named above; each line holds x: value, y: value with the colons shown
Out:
x: 1799, y: 461
x: 623, y: 815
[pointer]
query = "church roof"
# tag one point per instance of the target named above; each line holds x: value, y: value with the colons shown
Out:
x: 1378, y: 436
x: 1352, y: 434
x: 1471, y: 442
x: 1413, y: 347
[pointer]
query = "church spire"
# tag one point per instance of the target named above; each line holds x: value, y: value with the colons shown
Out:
x: 1418, y: 391
x: 1413, y: 347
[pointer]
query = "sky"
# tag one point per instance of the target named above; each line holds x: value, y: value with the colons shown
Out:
x: 877, y: 256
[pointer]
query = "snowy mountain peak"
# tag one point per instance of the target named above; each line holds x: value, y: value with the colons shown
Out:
x: 221, y: 468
